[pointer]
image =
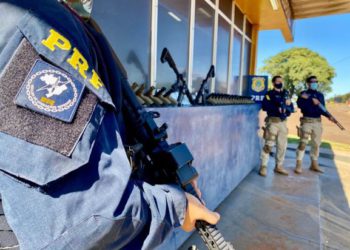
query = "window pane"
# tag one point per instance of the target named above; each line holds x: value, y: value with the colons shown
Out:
x: 226, y: 7
x: 239, y: 17
x: 132, y: 48
x: 173, y: 34
x: 248, y: 28
x: 203, y: 42
x: 246, y: 66
x: 236, y: 62
x: 222, y: 56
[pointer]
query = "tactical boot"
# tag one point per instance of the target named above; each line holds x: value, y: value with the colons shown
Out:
x: 263, y: 170
x: 280, y: 170
x: 298, y: 168
x: 315, y: 167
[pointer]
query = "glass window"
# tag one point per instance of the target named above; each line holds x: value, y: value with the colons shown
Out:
x: 248, y: 28
x: 236, y: 63
x: 203, y: 42
x: 226, y: 7
x: 222, y: 56
x: 132, y: 48
x: 173, y: 34
x: 239, y: 18
x: 246, y: 66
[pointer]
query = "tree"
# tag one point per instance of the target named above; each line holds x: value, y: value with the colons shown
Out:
x: 295, y: 65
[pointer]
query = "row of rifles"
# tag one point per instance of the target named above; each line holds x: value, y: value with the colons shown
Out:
x: 162, y: 96
x: 152, y: 97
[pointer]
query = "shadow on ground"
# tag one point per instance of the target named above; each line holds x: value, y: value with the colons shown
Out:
x: 307, y: 211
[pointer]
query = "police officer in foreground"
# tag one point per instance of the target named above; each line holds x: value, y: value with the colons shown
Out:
x: 310, y: 124
x: 278, y: 107
x: 65, y: 178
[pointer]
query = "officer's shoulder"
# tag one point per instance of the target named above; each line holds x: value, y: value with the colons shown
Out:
x: 268, y: 95
x: 320, y: 93
x: 303, y: 92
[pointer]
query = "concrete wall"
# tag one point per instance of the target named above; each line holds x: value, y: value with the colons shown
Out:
x: 224, y: 143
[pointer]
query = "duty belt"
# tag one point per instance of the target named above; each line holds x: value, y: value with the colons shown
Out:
x: 310, y: 119
x: 273, y: 119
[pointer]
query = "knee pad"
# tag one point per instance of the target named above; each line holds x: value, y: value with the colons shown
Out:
x: 302, y: 146
x: 267, y: 149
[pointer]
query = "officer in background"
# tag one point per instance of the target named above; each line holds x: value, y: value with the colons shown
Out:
x: 310, y: 124
x: 278, y: 107
x: 65, y: 178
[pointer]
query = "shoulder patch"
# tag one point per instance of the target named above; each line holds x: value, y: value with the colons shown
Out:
x: 50, y: 91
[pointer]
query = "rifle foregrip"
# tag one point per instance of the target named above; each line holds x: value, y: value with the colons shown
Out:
x: 212, y: 237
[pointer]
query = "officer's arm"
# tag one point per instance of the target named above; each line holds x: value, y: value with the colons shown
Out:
x: 268, y: 104
x: 290, y: 109
x: 160, y: 208
x: 303, y: 102
x: 322, y: 101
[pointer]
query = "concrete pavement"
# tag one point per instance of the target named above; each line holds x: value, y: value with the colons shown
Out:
x: 308, y: 211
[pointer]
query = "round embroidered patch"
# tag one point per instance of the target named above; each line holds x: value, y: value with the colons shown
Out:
x: 51, y: 91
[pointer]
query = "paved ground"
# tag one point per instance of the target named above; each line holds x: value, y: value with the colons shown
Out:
x: 308, y: 212
x: 7, y: 238
x: 330, y: 131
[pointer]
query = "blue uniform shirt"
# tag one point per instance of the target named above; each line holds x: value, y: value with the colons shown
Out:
x: 65, y: 183
x: 275, y: 100
x: 307, y: 106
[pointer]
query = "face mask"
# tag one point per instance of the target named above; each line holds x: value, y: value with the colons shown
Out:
x: 314, y: 86
x: 278, y: 85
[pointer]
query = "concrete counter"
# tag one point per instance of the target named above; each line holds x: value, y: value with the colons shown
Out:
x: 225, y: 145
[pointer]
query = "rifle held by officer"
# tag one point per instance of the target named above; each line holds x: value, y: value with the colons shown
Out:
x: 164, y: 163
x: 326, y: 112
x: 332, y: 118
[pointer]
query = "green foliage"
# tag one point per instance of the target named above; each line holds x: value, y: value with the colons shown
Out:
x: 295, y: 65
x: 340, y: 98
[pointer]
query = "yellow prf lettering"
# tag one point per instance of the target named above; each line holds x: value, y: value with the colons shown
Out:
x: 55, y: 39
x: 96, y: 80
x: 78, y: 62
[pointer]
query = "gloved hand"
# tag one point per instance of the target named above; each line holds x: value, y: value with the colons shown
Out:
x: 197, y: 211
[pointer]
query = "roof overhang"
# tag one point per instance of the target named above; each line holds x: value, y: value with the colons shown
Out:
x: 315, y: 8
x: 270, y: 15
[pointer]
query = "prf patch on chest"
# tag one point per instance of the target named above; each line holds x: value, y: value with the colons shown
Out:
x: 50, y: 91
x: 49, y: 88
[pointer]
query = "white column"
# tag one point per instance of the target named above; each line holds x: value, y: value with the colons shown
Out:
x: 154, y: 32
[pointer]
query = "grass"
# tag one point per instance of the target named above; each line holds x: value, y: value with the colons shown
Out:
x: 325, y: 144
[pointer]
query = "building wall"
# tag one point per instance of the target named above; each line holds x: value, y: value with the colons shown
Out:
x: 198, y: 33
x: 224, y: 142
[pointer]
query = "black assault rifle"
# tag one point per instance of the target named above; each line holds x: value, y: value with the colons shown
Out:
x: 326, y: 112
x: 164, y: 163
x: 201, y: 97
x: 157, y: 161
x: 180, y: 84
x: 323, y: 108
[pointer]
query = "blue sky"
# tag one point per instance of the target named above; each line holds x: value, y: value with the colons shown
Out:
x: 328, y: 35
